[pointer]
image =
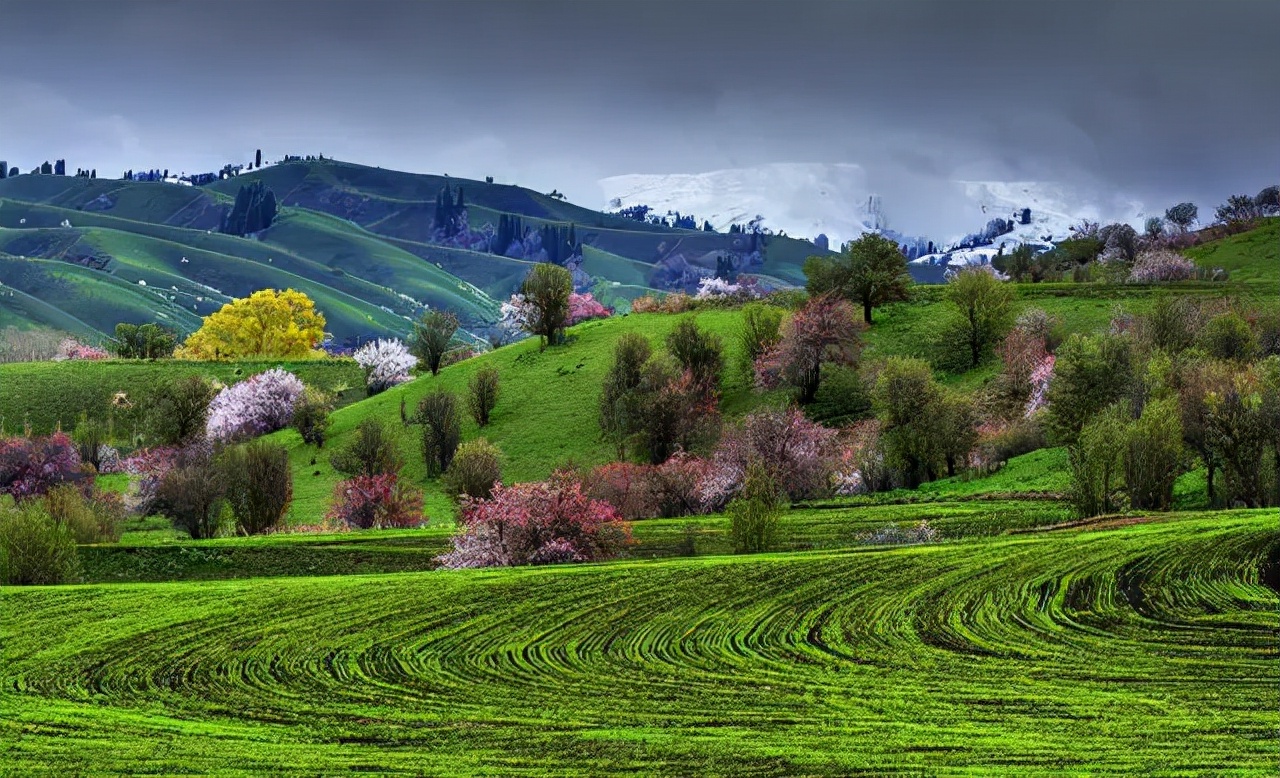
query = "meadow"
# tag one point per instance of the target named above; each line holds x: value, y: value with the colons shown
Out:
x: 1140, y: 645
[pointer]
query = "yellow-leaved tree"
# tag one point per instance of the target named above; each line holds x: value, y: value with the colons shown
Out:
x: 267, y: 323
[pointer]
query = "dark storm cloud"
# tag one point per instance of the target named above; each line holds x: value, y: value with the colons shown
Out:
x: 1164, y: 100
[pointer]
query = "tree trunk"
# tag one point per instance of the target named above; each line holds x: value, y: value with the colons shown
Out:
x: 866, y: 309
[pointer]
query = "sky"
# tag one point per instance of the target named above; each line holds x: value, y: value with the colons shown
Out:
x: 1158, y: 101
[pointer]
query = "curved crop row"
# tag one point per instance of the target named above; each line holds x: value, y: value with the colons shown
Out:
x: 1148, y: 647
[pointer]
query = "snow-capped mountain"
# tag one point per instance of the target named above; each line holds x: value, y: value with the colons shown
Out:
x: 807, y: 199
x: 802, y: 200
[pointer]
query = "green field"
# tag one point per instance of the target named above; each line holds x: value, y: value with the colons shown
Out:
x: 1138, y: 647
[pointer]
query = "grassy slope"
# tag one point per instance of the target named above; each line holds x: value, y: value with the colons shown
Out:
x: 546, y: 413
x: 1252, y: 257
x: 46, y: 394
x: 1106, y: 650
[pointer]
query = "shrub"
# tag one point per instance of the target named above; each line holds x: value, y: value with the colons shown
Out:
x: 759, y: 332
x: 798, y: 455
x: 625, y: 486
x: 822, y: 332
x: 311, y: 415
x: 192, y: 492
x: 89, y: 435
x: 671, y: 412
x: 1089, y: 373
x: 431, y: 337
x: 911, y: 407
x: 584, y: 307
x: 30, y: 467
x: 441, y: 429
x: 34, y: 547
x: 1228, y: 337
x: 70, y: 348
x: 699, y: 353
x: 261, y: 404
x: 259, y: 485
x: 475, y: 469
x: 619, y: 411
x: 144, y: 341
x: 95, y: 519
x: 998, y: 445
x: 674, y: 488
x: 753, y: 515
x: 1161, y: 265
x: 178, y: 411
x: 1097, y: 463
x: 377, y: 502
x: 373, y: 451
x: 482, y: 394
x: 842, y: 397
x: 892, y: 534
x: 1154, y: 456
x: 386, y: 363
x: 536, y: 523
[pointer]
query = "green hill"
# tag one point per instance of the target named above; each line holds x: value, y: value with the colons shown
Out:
x: 357, y: 239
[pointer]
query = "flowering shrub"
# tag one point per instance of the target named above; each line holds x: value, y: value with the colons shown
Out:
x: 625, y: 486
x: 1039, y: 379
x: 861, y: 466
x: 892, y: 534
x: 715, y: 288
x: 823, y: 331
x: 30, y: 467
x: 454, y: 356
x: 109, y: 461
x: 515, y: 314
x: 376, y: 502
x: 799, y: 455
x: 536, y: 523
x: 261, y: 404
x: 70, y: 348
x: 584, y: 307
x: 386, y: 363
x: 676, y: 302
x: 1161, y: 265
x: 150, y: 466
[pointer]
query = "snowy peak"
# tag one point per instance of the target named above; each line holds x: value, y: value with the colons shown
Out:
x: 803, y: 200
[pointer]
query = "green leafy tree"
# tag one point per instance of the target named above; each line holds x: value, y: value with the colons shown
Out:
x: 909, y: 403
x: 760, y: 330
x: 619, y: 414
x: 432, y: 334
x: 546, y: 293
x: 754, y: 514
x: 482, y: 394
x: 699, y: 352
x: 1154, y: 456
x: 1089, y: 374
x: 1097, y: 463
x: 871, y: 271
x: 441, y: 430
x: 983, y: 310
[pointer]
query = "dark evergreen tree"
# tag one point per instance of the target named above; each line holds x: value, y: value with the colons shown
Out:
x: 4, y: 169
x: 60, y: 167
x: 257, y: 158
x: 46, y: 169
x: 254, y: 210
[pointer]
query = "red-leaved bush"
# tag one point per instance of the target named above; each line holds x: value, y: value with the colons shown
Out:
x: 536, y: 523
x: 824, y: 331
x: 376, y: 502
x: 583, y: 307
x: 673, y: 488
x: 800, y: 456
x: 30, y: 467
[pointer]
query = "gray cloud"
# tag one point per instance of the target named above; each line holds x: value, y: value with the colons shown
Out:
x: 1164, y: 101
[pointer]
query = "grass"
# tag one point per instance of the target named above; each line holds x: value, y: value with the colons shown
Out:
x: 1104, y: 650
x: 46, y: 394
x: 536, y: 435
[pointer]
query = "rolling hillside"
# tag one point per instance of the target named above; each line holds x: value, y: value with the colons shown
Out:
x: 359, y: 240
